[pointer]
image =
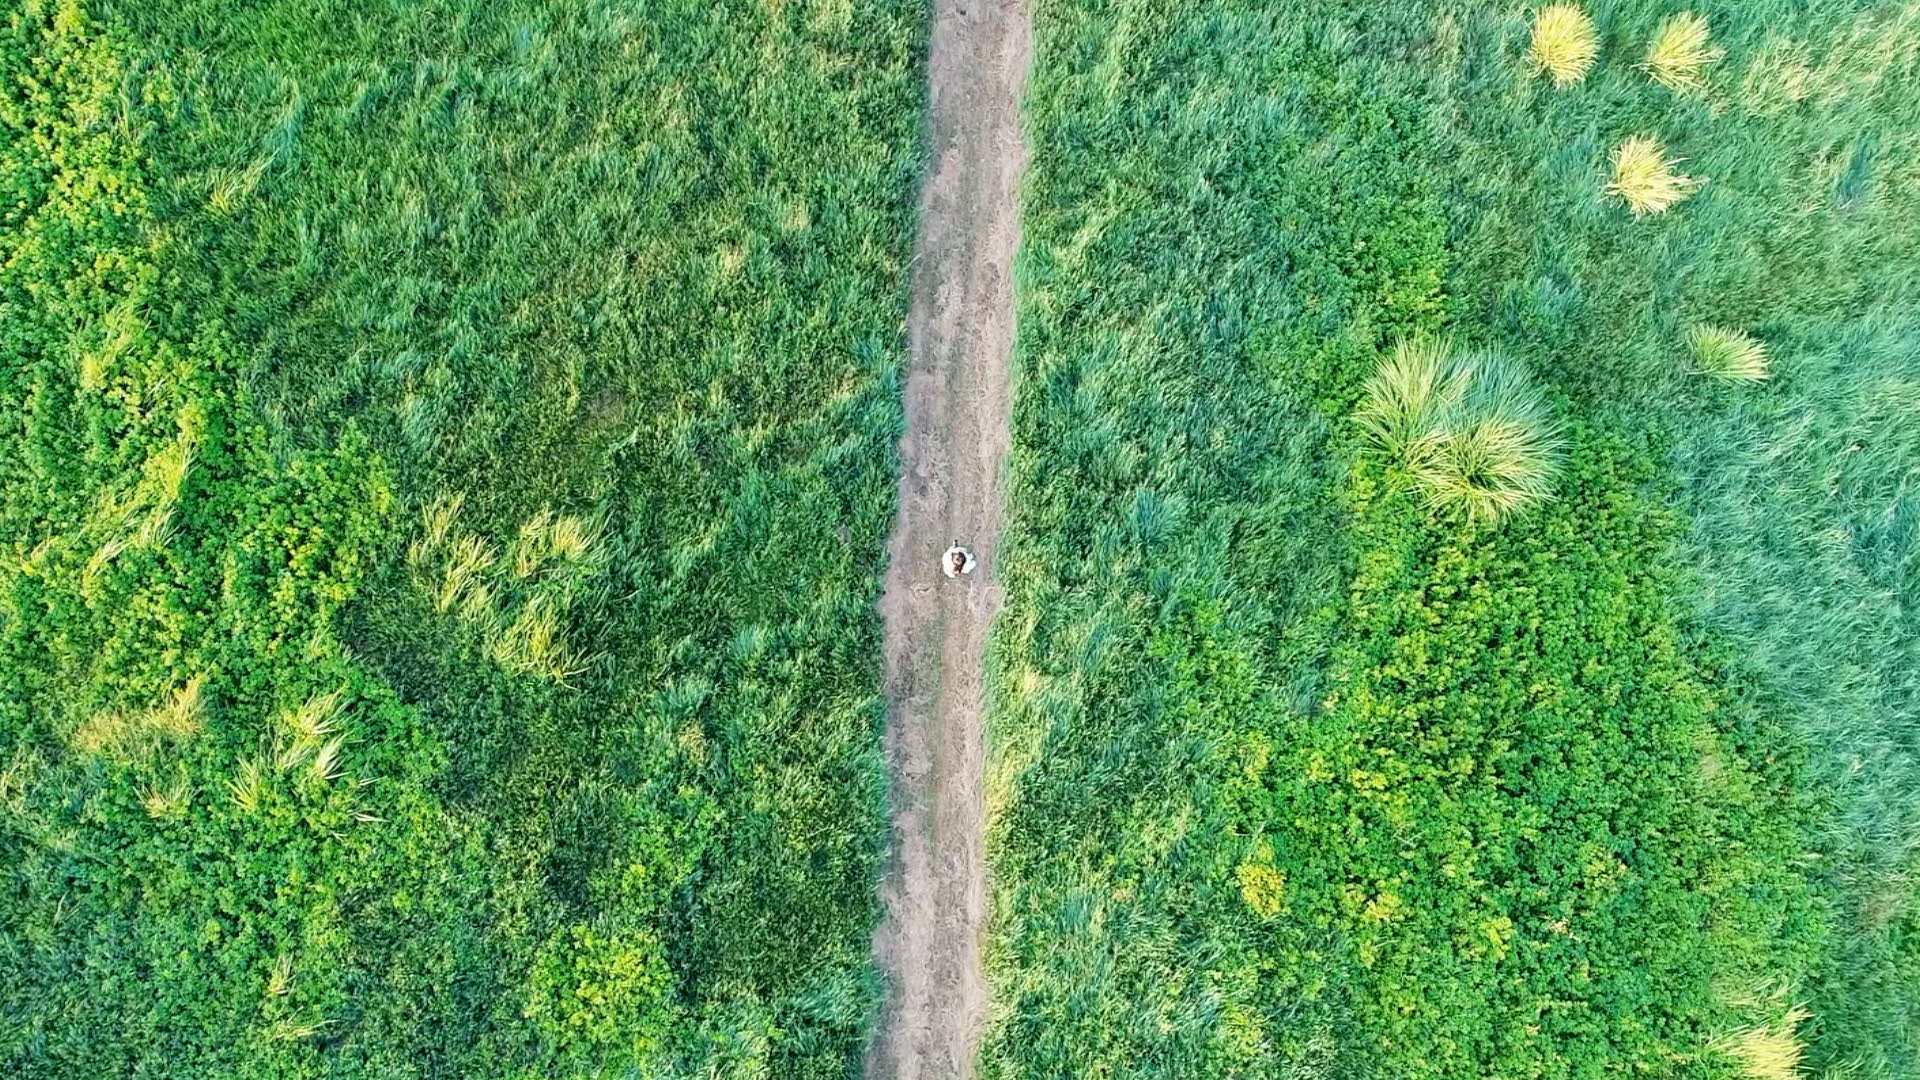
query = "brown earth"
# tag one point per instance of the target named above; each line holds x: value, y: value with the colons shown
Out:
x: 952, y: 455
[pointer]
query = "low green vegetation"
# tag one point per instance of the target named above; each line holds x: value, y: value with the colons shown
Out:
x: 1463, y: 568
x: 1301, y: 767
x: 447, y: 462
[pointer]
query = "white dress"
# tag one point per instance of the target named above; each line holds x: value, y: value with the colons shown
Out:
x: 966, y: 565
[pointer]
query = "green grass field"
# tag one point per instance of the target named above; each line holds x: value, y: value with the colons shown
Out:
x: 1296, y: 769
x: 448, y: 453
x: 1463, y: 555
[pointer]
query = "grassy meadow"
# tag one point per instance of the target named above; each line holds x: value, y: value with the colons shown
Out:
x: 1322, y: 744
x: 448, y: 457
x: 1463, y: 556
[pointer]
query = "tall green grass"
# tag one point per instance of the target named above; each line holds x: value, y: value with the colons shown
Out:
x: 1291, y: 776
x: 488, y: 410
x: 1794, y: 489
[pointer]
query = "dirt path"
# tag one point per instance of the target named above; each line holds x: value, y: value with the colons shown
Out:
x: 955, y: 445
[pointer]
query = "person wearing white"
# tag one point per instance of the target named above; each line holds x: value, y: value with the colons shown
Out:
x: 957, y: 561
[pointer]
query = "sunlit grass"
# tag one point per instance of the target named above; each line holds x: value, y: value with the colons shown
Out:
x: 128, y: 734
x: 247, y: 786
x: 342, y: 369
x: 1681, y: 50
x: 1771, y: 1051
x: 469, y: 560
x: 1643, y: 177
x: 548, y: 538
x: 1471, y: 427
x: 280, y: 979
x: 1410, y: 393
x: 1728, y: 355
x: 170, y: 800
x: 1143, y: 294
x: 1564, y: 44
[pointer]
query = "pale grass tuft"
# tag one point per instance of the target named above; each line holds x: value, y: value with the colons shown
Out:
x: 228, y: 188
x: 167, y: 473
x: 180, y: 717
x: 1470, y: 428
x: 1490, y: 468
x: 168, y: 469
x: 307, y: 729
x: 571, y: 538
x: 14, y: 781
x: 532, y: 644
x: 280, y: 979
x: 1564, y: 43
x: 531, y: 549
x: 477, y: 606
x: 248, y: 786
x: 549, y: 538
x: 1408, y: 393
x: 128, y: 735
x: 1771, y: 1052
x: 318, y: 716
x: 467, y: 564
x: 287, y: 1029
x: 326, y: 764
x: 165, y: 802
x: 440, y: 516
x: 1644, y: 179
x: 1681, y: 49
x: 1728, y: 355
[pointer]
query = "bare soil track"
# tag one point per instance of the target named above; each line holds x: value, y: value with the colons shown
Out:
x: 961, y: 337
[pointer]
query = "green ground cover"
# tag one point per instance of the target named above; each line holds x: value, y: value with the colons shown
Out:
x: 447, y: 451
x: 1295, y: 774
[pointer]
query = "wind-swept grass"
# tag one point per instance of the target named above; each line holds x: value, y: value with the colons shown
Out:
x: 1265, y: 723
x: 444, y: 389
x: 1643, y: 177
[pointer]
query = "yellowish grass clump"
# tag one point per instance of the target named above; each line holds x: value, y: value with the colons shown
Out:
x: 1772, y: 1052
x: 129, y: 735
x: 312, y: 736
x: 1730, y: 355
x: 1564, y: 43
x: 1681, y: 49
x: 548, y: 560
x: 1643, y: 177
x: 170, y: 801
x: 547, y: 538
x: 1470, y: 427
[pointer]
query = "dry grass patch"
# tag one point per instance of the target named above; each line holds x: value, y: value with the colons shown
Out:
x: 1681, y: 49
x: 1730, y: 355
x: 1771, y: 1052
x: 129, y: 735
x: 1564, y: 44
x: 1643, y: 177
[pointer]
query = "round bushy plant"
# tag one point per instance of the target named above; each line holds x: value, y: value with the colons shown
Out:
x: 1469, y: 426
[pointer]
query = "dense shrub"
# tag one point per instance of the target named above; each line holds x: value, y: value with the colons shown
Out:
x: 1518, y: 805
